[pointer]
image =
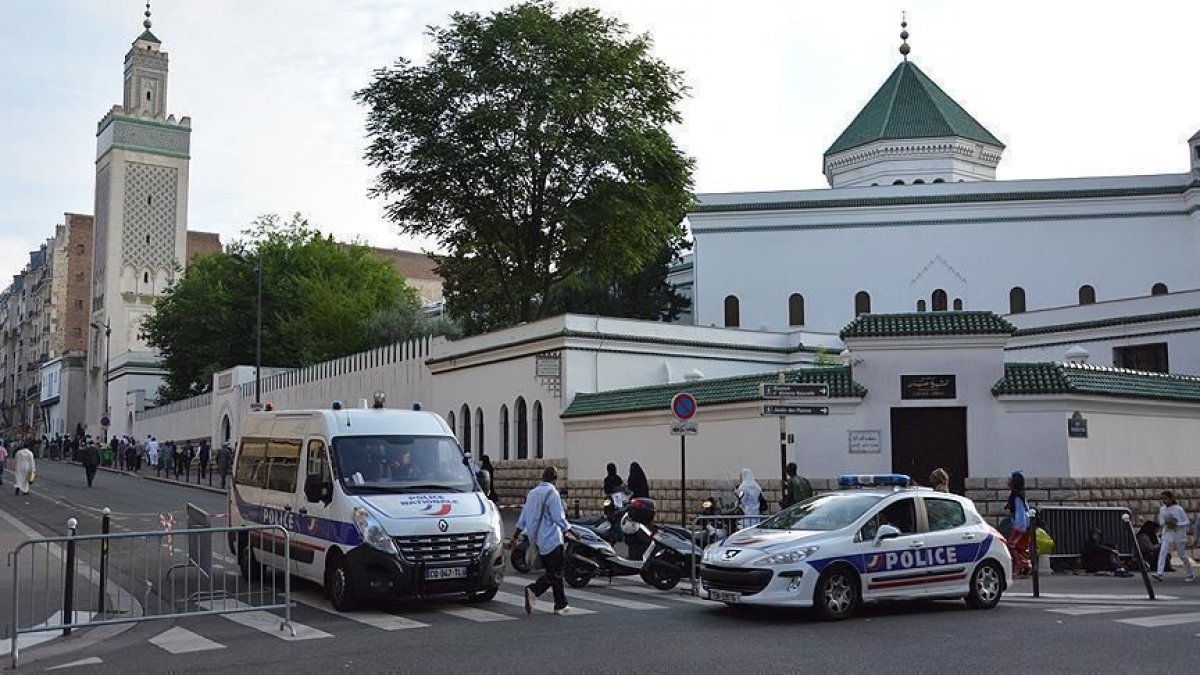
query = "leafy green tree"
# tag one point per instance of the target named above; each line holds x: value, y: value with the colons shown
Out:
x: 533, y: 146
x: 319, y: 297
x: 643, y: 294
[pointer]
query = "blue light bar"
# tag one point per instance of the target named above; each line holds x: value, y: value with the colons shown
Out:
x: 874, y: 480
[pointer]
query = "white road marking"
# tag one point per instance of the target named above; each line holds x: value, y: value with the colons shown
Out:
x: 1095, y: 609
x: 264, y: 621
x: 674, y: 595
x: 595, y: 597
x: 1098, y: 597
x: 182, y: 641
x: 538, y: 605
x: 475, y: 614
x: 381, y: 620
x: 89, y: 661
x: 1163, y: 620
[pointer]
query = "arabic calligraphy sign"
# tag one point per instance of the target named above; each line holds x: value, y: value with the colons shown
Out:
x: 927, y: 386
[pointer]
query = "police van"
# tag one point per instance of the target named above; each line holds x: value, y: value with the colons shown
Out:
x: 377, y: 503
x: 874, y: 539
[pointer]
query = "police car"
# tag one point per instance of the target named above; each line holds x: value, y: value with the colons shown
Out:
x: 873, y: 539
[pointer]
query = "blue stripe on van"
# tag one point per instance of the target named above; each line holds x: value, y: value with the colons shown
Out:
x: 334, y: 531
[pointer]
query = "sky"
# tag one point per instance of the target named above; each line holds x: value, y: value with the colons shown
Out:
x: 1073, y: 88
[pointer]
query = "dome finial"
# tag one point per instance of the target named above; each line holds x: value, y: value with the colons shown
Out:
x: 146, y: 23
x: 904, y: 48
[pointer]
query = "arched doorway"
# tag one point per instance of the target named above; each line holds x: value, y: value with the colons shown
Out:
x: 226, y: 430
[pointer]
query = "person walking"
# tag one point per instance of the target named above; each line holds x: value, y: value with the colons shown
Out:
x: 3, y: 460
x: 750, y: 495
x: 638, y: 485
x: 91, y: 461
x: 26, y: 471
x: 187, y: 455
x: 1018, y: 539
x: 1174, y: 522
x: 205, y: 456
x: 167, y: 459
x: 612, y: 480
x: 152, y: 455
x: 486, y: 476
x: 796, y: 488
x: 545, y: 520
x: 940, y: 480
x: 224, y: 462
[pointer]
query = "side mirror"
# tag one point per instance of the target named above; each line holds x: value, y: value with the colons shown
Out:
x: 886, y: 532
x: 317, y: 490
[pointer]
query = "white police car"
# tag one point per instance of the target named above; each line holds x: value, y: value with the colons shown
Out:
x: 875, y: 539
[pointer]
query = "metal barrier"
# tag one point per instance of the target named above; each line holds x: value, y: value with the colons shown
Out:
x: 1069, y: 525
x: 727, y: 524
x: 47, y: 573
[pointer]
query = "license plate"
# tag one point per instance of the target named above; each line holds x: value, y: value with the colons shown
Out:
x: 725, y: 596
x: 435, y: 573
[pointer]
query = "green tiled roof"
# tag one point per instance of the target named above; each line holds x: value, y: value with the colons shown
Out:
x: 709, y: 392
x: 910, y: 105
x: 1028, y: 379
x: 927, y: 323
x: 1106, y: 323
x: 149, y: 37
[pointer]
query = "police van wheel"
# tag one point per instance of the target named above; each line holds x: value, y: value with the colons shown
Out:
x: 987, y: 584
x: 341, y: 589
x: 836, y: 596
x: 247, y: 564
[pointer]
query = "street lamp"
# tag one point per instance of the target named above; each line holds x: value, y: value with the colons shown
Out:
x: 107, y: 328
x: 258, y: 336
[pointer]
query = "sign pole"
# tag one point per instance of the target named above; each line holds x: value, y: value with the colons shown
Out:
x: 683, y: 481
x: 782, y: 443
x: 683, y: 407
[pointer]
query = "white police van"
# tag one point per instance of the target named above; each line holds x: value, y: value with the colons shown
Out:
x: 875, y: 539
x: 377, y: 503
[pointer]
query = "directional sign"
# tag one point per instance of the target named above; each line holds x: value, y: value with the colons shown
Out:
x: 783, y: 390
x: 682, y: 428
x: 781, y: 409
x: 683, y: 406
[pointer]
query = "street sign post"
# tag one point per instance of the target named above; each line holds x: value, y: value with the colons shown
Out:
x: 788, y: 409
x: 683, y: 407
x: 791, y: 390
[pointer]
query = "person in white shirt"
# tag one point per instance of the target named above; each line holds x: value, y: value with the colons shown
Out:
x: 1174, y: 521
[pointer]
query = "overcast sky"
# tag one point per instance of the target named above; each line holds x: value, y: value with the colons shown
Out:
x: 1072, y: 88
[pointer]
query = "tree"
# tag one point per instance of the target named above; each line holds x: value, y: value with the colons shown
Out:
x: 533, y: 146
x: 643, y: 294
x: 318, y: 299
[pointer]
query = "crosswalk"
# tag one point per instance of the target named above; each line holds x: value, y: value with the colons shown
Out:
x: 314, y: 617
x: 1149, y: 614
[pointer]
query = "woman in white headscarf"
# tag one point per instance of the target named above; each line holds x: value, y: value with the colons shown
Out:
x: 24, y: 471
x: 749, y: 494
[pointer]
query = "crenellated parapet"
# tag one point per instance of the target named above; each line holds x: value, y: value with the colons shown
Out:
x: 140, y: 131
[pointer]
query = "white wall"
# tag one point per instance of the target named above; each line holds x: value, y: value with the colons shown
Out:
x: 1138, y: 443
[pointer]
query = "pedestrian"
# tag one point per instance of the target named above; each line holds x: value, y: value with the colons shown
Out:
x: 166, y: 457
x: 750, y: 495
x: 638, y: 485
x: 1018, y: 539
x: 940, y: 479
x: 545, y: 519
x: 1174, y: 522
x: 486, y: 474
x: 795, y: 488
x: 152, y: 458
x: 1149, y: 543
x: 224, y: 462
x: 205, y: 456
x: 90, y: 461
x: 187, y: 454
x: 3, y: 460
x: 26, y: 471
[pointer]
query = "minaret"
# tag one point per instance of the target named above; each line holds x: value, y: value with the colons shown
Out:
x: 140, y: 233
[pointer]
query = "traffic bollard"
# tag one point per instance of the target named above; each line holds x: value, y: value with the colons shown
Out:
x: 1033, y: 553
x: 104, y: 529
x: 578, y: 513
x: 1137, y: 552
x: 69, y: 579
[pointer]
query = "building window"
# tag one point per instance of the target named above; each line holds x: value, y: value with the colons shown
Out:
x: 1016, y: 300
x: 148, y: 198
x: 938, y: 301
x: 1158, y: 289
x: 479, y: 431
x: 918, y: 182
x: 796, y: 310
x: 145, y: 277
x: 862, y: 303
x: 1087, y: 295
x: 897, y: 182
x: 79, y: 304
x: 147, y: 98
x: 450, y: 421
x: 79, y: 248
x: 958, y: 304
x: 465, y: 437
x: 78, y: 333
x: 921, y: 305
x: 504, y: 439
x: 733, y: 312
x: 538, y: 431
x: 1151, y: 357
x: 147, y: 239
x: 522, y: 429
x: 938, y: 180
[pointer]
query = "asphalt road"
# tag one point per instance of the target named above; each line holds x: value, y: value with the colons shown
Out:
x: 1093, y: 624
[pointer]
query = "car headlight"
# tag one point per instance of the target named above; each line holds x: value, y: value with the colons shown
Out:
x: 372, y: 532
x: 495, y: 533
x: 788, y: 558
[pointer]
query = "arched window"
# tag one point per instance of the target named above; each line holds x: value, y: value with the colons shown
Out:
x: 465, y: 436
x: 897, y: 182
x: 796, y: 310
x: 145, y: 277
x: 1016, y: 300
x: 522, y: 428
x: 921, y: 305
x: 1087, y: 295
x: 538, y: 432
x: 450, y: 421
x: 1158, y: 289
x: 504, y: 438
x: 733, y: 312
x: 919, y: 181
x: 958, y: 304
x: 938, y: 180
x: 479, y: 431
x: 938, y: 301
x: 862, y: 303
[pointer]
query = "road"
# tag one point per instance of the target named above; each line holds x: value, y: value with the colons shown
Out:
x: 1095, y: 624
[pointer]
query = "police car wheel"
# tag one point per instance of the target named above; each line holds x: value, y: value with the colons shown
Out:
x: 836, y: 595
x: 987, y: 583
x: 341, y: 589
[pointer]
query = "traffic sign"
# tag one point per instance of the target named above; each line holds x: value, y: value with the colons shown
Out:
x: 682, y: 428
x: 683, y: 406
x: 104, y: 421
x: 780, y: 390
x: 782, y: 409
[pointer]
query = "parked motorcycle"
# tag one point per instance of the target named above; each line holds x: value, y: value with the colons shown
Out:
x: 676, y: 550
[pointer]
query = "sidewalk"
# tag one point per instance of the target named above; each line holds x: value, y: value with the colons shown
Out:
x: 148, y: 474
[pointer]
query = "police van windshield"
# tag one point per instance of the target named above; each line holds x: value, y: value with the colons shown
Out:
x: 826, y: 512
x: 372, y: 464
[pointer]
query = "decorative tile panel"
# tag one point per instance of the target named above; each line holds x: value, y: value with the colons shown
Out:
x: 100, y: 247
x: 148, y: 237
x: 152, y: 137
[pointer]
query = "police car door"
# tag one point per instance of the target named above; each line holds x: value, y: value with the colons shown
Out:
x: 891, y: 567
x: 952, y: 545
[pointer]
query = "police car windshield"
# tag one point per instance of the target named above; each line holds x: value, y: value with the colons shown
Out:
x: 826, y: 512
x: 401, y: 464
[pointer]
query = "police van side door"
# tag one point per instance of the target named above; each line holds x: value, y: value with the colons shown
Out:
x: 889, y: 565
x: 314, y: 524
x: 951, y: 545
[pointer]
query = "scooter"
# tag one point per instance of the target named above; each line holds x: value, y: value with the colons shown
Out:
x: 608, y: 525
x: 676, y: 550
